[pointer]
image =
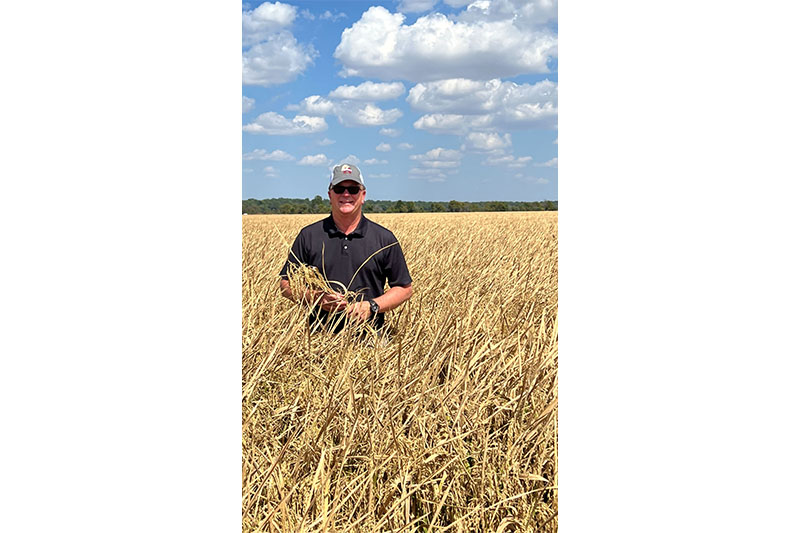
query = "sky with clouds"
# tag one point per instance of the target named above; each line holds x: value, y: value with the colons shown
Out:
x: 433, y: 99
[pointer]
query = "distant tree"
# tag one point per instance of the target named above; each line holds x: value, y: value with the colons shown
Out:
x: 497, y: 206
x: 318, y: 205
x: 251, y: 206
x: 455, y: 205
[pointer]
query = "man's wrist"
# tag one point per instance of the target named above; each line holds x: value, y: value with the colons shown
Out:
x: 374, y: 308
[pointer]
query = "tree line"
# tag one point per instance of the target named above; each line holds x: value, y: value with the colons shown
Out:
x: 288, y: 206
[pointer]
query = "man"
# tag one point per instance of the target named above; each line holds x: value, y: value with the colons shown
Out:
x: 348, y: 239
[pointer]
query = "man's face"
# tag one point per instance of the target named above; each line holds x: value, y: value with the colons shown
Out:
x: 345, y: 203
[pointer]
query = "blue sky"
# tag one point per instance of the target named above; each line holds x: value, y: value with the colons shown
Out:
x: 433, y: 99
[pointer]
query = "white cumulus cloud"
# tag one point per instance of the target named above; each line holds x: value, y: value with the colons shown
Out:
x: 383, y: 147
x: 441, y: 164
x: 272, y: 123
x: 265, y: 19
x: 369, y: 91
x: 456, y: 95
x: 319, y: 160
x: 263, y: 155
x: 330, y: 16
x: 519, y: 162
x: 459, y: 95
x: 551, y: 163
x: 434, y: 161
x: 376, y: 162
x: 452, y: 124
x: 532, y: 179
x: 247, y: 104
x: 405, y: 146
x: 279, y: 59
x: 270, y: 172
x: 367, y: 115
x: 349, y: 113
x: 486, y: 142
x: 490, y: 103
x: 350, y: 160
x: 508, y: 160
x: 438, y: 154
x: 390, y: 132
x: 326, y: 142
x: 526, y: 116
x: 313, y: 105
x: 485, y: 45
x: 523, y: 12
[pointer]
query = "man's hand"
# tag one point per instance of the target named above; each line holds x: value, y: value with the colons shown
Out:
x: 359, y: 311
x: 333, y: 301
x: 329, y: 301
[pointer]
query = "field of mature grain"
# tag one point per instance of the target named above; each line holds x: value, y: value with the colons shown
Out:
x: 448, y: 426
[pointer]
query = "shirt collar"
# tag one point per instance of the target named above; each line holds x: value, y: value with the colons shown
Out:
x: 330, y: 227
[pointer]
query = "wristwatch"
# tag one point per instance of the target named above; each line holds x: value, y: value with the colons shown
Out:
x: 374, y: 307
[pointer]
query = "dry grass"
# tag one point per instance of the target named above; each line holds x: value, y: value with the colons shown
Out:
x: 448, y: 426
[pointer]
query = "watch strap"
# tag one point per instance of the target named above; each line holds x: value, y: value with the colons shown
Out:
x: 374, y: 308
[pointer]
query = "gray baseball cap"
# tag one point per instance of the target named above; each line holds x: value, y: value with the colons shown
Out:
x: 346, y: 172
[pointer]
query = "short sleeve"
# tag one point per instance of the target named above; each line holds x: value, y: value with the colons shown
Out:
x: 397, y: 273
x: 296, y: 256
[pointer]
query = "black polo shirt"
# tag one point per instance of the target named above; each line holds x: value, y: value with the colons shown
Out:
x: 344, y: 254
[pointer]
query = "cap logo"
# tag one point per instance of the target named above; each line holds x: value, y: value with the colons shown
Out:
x: 346, y: 169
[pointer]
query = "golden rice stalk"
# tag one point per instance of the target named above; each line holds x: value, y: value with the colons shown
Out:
x: 451, y: 425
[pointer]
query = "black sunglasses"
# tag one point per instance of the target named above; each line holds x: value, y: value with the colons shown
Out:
x: 353, y: 189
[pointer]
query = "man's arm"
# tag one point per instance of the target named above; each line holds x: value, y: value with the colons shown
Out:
x: 394, y: 297
x: 391, y: 299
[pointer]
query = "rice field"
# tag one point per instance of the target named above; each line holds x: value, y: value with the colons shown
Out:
x: 448, y: 425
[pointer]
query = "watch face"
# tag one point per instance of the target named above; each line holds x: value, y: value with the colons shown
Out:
x: 374, y: 307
